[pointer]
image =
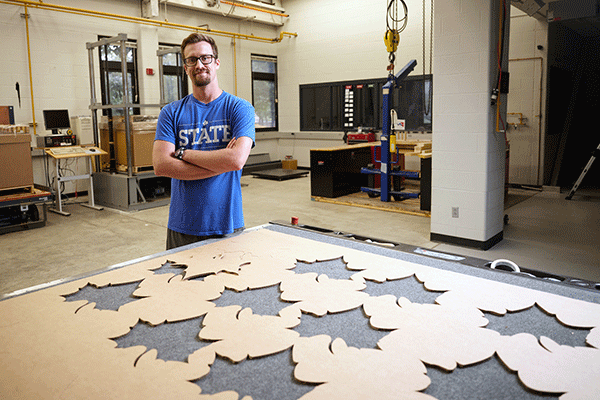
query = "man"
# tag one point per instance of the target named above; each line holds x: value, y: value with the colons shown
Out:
x: 202, y: 142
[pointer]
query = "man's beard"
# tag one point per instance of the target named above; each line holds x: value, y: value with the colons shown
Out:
x: 201, y: 79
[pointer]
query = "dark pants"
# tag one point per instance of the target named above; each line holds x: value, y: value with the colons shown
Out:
x: 176, y: 239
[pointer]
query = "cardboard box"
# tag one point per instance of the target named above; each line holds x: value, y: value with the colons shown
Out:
x: 141, y: 147
x: 16, y: 169
x: 289, y: 164
x: 142, y: 129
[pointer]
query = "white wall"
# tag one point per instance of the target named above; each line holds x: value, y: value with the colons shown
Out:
x: 59, y: 58
x: 338, y: 41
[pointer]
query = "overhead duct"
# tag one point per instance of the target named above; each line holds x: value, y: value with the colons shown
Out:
x: 150, y: 8
x: 573, y: 9
x: 243, y: 10
x: 533, y: 7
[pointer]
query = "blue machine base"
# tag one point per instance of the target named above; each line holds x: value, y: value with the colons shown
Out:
x: 394, y: 194
x: 404, y: 174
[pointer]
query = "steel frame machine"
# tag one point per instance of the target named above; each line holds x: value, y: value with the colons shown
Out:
x: 123, y: 190
x: 388, y: 144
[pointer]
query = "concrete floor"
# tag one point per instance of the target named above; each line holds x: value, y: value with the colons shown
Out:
x: 545, y: 233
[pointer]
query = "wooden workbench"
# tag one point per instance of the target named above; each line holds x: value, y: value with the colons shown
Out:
x: 406, y: 147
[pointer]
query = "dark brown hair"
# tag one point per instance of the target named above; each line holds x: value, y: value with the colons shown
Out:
x: 197, y: 38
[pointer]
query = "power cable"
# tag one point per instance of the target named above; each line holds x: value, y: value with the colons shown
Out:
x: 500, y: 54
x: 427, y: 102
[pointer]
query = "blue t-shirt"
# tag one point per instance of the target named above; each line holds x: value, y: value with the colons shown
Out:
x: 211, y: 206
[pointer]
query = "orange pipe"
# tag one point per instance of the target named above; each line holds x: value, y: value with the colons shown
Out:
x: 30, y: 74
x: 145, y: 21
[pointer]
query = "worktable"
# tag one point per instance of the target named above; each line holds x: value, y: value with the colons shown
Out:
x: 96, y: 352
x: 340, y: 170
x: 63, y: 153
x: 335, y: 171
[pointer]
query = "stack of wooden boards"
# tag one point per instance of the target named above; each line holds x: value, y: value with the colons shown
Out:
x: 421, y: 148
x: 8, y: 129
x: 113, y: 136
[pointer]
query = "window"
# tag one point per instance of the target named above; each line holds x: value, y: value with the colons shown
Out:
x: 112, y: 76
x: 345, y: 106
x: 175, y: 83
x: 264, y: 92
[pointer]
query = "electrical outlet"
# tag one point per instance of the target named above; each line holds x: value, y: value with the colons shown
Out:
x: 454, y: 212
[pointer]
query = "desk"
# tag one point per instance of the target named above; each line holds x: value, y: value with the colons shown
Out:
x: 338, y: 171
x: 138, y: 330
x: 62, y: 153
x: 335, y: 171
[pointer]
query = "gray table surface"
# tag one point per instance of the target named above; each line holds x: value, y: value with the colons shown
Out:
x: 271, y: 377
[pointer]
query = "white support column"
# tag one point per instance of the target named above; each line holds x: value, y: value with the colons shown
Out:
x: 468, y: 163
x: 147, y: 59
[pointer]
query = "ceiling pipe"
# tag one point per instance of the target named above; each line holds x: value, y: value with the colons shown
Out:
x: 144, y: 21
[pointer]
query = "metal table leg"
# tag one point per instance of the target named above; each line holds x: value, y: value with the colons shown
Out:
x: 57, y: 195
x: 90, y: 203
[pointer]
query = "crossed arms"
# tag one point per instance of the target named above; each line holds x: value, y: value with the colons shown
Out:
x: 200, y: 164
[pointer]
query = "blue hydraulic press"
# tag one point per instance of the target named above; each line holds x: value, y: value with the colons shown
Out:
x: 387, y: 136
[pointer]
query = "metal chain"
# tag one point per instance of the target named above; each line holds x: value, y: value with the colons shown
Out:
x: 392, y: 23
x: 393, y: 15
x: 431, y: 41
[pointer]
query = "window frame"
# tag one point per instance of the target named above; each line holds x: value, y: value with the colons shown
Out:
x: 106, y: 67
x: 175, y: 70
x: 265, y: 76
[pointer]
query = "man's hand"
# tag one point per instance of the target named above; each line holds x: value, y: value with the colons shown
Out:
x: 230, y: 145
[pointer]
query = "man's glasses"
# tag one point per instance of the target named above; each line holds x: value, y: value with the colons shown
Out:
x: 192, y: 61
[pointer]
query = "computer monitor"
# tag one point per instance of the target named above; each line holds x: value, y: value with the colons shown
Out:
x: 56, y: 119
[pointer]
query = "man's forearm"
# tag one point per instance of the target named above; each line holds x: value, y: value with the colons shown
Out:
x: 231, y: 158
x: 217, y: 161
x: 179, y: 169
x: 199, y: 164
